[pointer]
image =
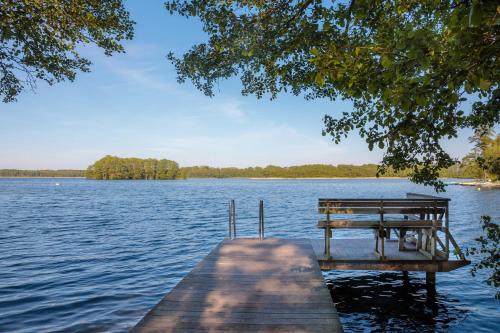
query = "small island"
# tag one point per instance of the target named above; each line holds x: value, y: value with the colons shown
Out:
x: 114, y: 168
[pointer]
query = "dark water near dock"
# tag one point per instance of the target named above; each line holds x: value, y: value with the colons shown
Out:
x: 95, y: 256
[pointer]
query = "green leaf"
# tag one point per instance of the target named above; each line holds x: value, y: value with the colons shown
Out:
x: 381, y: 144
x: 386, y: 62
x: 484, y: 84
x: 319, y: 79
x: 468, y: 87
x: 453, y: 98
x: 420, y: 99
x: 475, y: 14
x: 405, y: 105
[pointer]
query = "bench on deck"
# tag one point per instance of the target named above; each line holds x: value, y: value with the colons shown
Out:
x: 416, y: 221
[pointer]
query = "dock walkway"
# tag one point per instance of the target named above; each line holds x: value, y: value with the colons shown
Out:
x: 249, y: 285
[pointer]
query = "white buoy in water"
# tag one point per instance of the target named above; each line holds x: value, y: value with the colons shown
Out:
x: 57, y: 184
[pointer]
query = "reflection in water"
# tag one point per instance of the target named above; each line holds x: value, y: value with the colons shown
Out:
x: 388, y: 302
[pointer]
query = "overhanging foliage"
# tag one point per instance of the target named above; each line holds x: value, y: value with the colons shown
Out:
x: 407, y: 66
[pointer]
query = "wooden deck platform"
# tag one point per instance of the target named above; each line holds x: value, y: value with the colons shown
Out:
x: 358, y: 254
x: 249, y: 285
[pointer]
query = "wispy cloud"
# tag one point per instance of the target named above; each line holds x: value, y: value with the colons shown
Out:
x: 143, y: 77
x: 146, y: 78
x: 278, y: 144
x: 227, y: 107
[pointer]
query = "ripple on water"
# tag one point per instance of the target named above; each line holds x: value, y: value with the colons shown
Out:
x: 393, y: 303
x: 90, y: 256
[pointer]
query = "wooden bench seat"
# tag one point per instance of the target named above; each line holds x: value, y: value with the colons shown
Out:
x: 421, y: 214
x: 374, y: 224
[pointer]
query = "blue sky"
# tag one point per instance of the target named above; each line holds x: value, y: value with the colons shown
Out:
x: 131, y: 105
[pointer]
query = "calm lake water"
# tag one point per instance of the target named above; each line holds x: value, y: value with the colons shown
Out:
x: 94, y: 256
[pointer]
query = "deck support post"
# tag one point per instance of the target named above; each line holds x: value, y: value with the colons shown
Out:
x: 381, y: 233
x: 430, y: 279
x: 327, y: 235
x: 434, y: 232
x: 327, y: 243
x: 447, y: 230
x: 406, y: 278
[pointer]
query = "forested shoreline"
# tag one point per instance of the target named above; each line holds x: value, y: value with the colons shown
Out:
x: 63, y: 173
x: 116, y: 168
x: 310, y: 171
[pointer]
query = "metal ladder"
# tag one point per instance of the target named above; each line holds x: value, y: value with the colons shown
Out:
x: 232, y: 220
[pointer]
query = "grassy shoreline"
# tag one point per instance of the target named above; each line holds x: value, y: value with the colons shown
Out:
x: 16, y: 177
x: 251, y: 178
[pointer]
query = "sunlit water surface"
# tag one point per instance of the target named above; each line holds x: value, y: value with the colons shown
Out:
x: 94, y: 256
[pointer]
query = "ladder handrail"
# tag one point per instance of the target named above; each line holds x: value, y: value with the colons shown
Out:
x: 232, y: 220
x: 261, y: 219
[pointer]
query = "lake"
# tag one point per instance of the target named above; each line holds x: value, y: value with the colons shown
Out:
x: 94, y: 256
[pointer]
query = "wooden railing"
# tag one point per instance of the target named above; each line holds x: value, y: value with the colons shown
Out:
x: 420, y: 214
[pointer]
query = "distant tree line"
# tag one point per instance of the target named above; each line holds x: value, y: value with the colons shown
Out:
x: 303, y: 171
x: 41, y: 173
x: 112, y: 167
x: 311, y: 171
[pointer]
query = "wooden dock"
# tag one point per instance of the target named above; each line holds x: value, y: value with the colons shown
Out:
x: 358, y: 254
x: 276, y: 285
x: 249, y: 285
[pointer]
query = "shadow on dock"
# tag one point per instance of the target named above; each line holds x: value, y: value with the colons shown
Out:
x: 245, y: 285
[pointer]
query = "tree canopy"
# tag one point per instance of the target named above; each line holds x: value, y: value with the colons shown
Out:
x: 483, y: 161
x: 39, y: 39
x: 115, y: 168
x: 407, y: 66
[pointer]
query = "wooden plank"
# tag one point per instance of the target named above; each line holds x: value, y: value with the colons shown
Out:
x: 348, y: 224
x: 357, y: 254
x: 421, y: 197
x: 388, y: 265
x: 249, y: 285
x: 408, y: 224
x: 246, y: 308
x: 376, y: 203
x: 362, y: 249
x: 378, y: 210
x: 418, y: 196
x: 168, y: 325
